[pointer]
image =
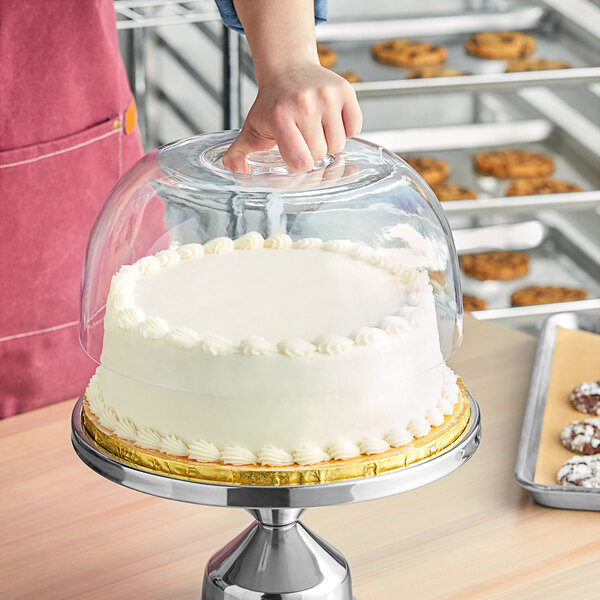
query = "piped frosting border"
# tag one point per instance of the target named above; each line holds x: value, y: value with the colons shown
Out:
x: 121, y: 305
x: 206, y: 451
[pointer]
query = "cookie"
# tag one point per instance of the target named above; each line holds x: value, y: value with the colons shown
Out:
x: 501, y: 265
x: 432, y: 170
x: 535, y: 64
x: 327, y: 56
x: 500, y: 44
x: 585, y: 397
x: 449, y: 191
x: 426, y: 72
x: 540, y: 185
x: 582, y: 471
x: 473, y: 303
x: 350, y: 76
x: 513, y: 164
x: 540, y: 294
x: 406, y: 53
x: 582, y: 437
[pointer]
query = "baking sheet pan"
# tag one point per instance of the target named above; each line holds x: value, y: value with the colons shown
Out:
x: 555, y: 260
x: 558, y: 37
x: 555, y: 496
x: 575, y: 162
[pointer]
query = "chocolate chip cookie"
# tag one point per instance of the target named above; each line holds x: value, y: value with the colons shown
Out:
x: 327, y: 56
x: 535, y: 64
x: 473, y: 303
x: 450, y: 191
x: 548, y: 294
x: 500, y: 44
x: 408, y: 53
x: 432, y: 170
x: 426, y: 72
x: 513, y: 164
x: 585, y: 397
x: 582, y: 471
x: 499, y: 265
x: 540, y: 185
x: 350, y: 76
x: 582, y: 437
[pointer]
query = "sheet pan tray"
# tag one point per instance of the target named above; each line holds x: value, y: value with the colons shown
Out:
x: 555, y: 496
x: 560, y: 35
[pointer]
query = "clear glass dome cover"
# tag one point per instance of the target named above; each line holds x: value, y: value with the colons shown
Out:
x: 180, y: 194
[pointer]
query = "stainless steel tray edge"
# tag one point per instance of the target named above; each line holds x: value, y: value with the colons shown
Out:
x: 555, y: 496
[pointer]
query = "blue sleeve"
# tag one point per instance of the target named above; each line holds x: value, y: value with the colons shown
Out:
x: 232, y: 21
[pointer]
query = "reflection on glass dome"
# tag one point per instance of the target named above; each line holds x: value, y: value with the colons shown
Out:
x: 233, y: 313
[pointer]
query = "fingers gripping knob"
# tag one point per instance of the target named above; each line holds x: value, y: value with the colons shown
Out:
x: 270, y: 161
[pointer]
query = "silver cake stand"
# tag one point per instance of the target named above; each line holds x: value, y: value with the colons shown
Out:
x: 277, y: 557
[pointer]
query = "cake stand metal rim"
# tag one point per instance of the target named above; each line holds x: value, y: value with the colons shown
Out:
x: 298, y: 496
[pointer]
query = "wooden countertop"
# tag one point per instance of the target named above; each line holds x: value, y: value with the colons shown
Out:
x: 68, y: 533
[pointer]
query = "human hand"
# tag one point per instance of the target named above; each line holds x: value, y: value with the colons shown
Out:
x: 307, y: 111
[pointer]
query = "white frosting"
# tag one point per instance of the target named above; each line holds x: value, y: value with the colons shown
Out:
x: 121, y: 301
x: 281, y: 241
x: 217, y: 345
x: 395, y: 325
x: 249, y: 241
x: 256, y: 346
x: 220, y: 245
x: 308, y: 244
x: 126, y: 429
x: 419, y: 426
x: 342, y: 450
x: 373, y: 445
x: 147, y: 265
x: 340, y: 246
x: 333, y: 344
x: 434, y: 416
x: 255, y: 349
x: 184, y: 337
x: 150, y: 439
x: 167, y: 258
x: 236, y: 455
x: 360, y: 252
x: 171, y: 444
x: 108, y: 418
x: 295, y: 347
x: 154, y: 328
x: 310, y: 456
x: 189, y: 251
x: 130, y: 318
x: 137, y: 301
x: 398, y: 437
x: 203, y: 451
x: 274, y: 457
x: 366, y: 336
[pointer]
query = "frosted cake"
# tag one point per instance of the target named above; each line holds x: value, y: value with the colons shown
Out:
x: 271, y: 352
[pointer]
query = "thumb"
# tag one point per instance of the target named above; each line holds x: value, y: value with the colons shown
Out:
x: 247, y: 142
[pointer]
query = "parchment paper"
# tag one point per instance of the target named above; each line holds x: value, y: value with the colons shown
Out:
x: 576, y: 359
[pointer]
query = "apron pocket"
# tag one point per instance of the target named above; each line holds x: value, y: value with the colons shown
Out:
x: 51, y: 193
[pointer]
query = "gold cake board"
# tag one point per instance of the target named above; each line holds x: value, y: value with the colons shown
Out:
x: 439, y: 438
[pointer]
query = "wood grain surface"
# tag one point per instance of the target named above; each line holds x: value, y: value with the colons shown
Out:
x: 67, y: 533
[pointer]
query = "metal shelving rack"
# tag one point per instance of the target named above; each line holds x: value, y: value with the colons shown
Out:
x: 497, y: 108
x: 138, y: 22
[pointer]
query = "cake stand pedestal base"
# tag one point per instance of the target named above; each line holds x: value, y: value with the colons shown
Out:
x: 277, y: 557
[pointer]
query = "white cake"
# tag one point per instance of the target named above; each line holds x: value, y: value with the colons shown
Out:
x: 270, y: 352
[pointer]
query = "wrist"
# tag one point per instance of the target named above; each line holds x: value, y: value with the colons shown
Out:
x: 271, y: 68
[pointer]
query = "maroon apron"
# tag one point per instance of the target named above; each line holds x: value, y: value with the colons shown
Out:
x: 66, y: 135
